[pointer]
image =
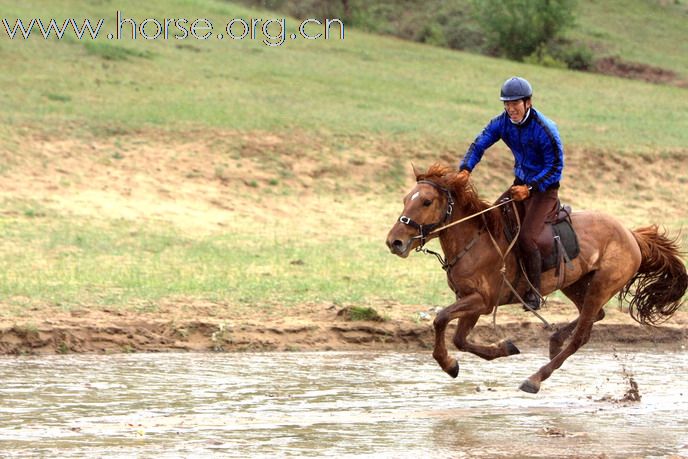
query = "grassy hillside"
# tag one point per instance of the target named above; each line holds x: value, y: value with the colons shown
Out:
x: 361, y: 85
x: 250, y: 175
x: 647, y: 31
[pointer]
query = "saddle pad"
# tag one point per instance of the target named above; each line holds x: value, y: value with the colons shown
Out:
x: 561, y: 228
x: 563, y: 231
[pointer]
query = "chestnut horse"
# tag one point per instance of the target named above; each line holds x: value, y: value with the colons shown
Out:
x: 612, y: 259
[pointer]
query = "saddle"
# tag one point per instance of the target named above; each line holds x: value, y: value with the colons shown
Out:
x: 558, y: 242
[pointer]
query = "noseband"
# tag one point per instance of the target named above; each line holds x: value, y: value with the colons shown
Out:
x: 425, y: 230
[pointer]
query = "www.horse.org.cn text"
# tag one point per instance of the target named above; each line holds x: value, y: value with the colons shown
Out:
x: 271, y: 32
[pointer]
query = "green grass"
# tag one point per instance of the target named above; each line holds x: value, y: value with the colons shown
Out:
x: 113, y: 52
x: 647, y: 31
x: 363, y: 85
x: 72, y: 262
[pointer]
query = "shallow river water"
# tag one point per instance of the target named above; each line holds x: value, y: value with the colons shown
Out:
x: 342, y: 404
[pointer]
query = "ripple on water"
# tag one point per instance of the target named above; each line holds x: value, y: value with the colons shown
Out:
x: 340, y: 404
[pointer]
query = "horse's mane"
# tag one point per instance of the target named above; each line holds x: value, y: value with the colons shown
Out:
x: 465, y: 193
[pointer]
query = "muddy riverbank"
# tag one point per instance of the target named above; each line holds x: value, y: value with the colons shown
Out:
x: 180, y: 326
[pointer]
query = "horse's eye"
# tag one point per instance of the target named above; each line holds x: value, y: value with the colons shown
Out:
x: 427, y: 202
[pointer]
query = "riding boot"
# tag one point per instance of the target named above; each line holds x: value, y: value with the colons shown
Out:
x: 533, y: 266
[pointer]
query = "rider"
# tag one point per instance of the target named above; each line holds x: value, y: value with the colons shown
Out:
x: 539, y: 159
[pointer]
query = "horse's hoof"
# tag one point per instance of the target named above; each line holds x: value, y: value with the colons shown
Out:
x: 528, y: 386
x: 511, y: 348
x: 454, y: 370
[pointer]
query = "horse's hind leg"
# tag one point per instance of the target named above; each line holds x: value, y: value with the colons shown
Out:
x: 576, y: 293
x: 503, y: 348
x: 556, y: 341
x: 601, y: 288
x: 581, y: 336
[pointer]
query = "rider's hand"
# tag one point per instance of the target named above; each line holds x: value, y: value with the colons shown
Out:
x: 519, y: 192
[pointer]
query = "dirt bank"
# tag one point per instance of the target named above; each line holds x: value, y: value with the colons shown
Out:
x: 191, y: 327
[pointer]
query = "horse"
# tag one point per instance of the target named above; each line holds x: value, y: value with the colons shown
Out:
x: 642, y: 264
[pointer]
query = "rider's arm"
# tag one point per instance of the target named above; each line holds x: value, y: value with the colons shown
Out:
x: 490, y: 134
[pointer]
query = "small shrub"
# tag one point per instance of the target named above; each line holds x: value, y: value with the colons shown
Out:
x: 459, y: 27
x: 562, y: 54
x: 577, y: 57
x: 517, y: 28
x: 357, y: 313
x: 543, y: 56
x: 62, y: 348
x: 432, y: 34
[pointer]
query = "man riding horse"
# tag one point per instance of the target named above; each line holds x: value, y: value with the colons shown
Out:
x: 643, y: 266
x: 539, y: 159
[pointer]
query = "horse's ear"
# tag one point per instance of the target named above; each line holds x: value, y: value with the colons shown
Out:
x: 416, y: 172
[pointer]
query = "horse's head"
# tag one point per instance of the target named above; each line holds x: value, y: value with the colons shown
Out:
x: 428, y: 206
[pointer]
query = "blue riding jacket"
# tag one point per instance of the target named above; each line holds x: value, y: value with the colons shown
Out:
x: 536, y: 145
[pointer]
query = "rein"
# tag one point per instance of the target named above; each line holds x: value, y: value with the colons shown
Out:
x: 430, y: 229
x: 425, y: 231
x: 468, y: 217
x: 502, y: 270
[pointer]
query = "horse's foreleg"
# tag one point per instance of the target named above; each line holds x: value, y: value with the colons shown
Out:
x: 470, y: 305
x: 503, y: 348
x: 440, y: 354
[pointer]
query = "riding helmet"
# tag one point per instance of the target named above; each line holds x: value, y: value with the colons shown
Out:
x: 516, y: 88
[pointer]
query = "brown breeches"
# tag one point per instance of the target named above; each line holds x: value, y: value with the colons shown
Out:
x: 539, y: 207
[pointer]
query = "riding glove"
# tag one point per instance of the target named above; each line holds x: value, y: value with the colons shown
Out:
x: 519, y: 192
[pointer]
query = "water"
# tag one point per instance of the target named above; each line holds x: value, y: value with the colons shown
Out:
x: 337, y: 404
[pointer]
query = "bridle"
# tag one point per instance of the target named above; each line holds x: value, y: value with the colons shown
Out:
x: 424, y: 230
x: 427, y: 230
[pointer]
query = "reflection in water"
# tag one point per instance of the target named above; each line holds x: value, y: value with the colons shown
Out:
x: 340, y: 404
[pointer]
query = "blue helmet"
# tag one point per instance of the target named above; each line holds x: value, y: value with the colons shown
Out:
x: 516, y: 88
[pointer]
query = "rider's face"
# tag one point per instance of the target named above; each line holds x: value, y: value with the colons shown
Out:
x: 517, y: 109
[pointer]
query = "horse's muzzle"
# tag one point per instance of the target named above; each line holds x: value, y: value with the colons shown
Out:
x: 398, y: 247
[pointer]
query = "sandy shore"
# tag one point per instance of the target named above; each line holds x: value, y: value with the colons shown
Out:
x: 209, y: 327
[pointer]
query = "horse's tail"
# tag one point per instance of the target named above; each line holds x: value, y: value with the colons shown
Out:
x: 661, y: 280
